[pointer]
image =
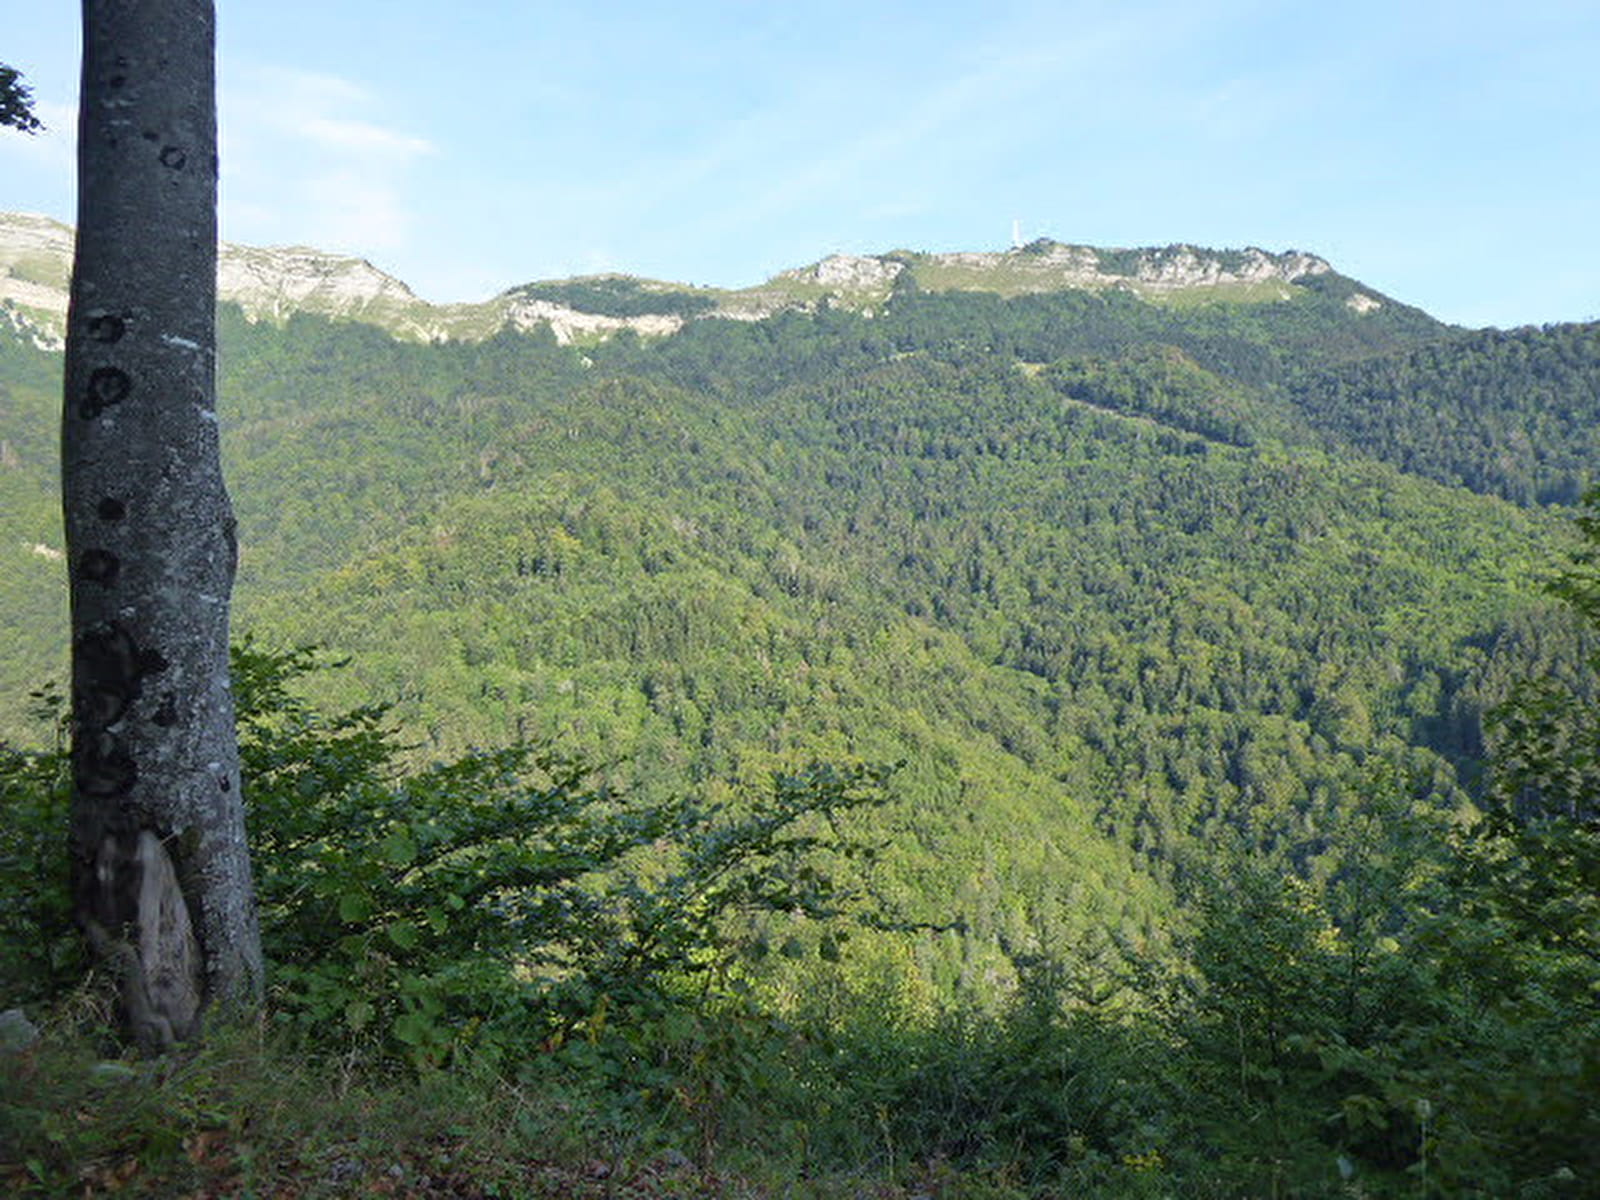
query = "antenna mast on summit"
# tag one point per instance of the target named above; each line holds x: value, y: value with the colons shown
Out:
x: 1016, y: 234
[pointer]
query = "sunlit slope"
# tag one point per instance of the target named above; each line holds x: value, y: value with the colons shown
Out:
x: 33, y: 594
x: 1088, y: 564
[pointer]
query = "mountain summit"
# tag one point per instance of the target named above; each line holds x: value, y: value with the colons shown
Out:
x: 1046, y: 266
x: 268, y: 284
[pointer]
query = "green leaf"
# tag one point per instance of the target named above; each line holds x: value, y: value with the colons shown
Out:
x: 404, y: 934
x: 354, y: 906
x: 415, y: 1029
x: 399, y: 849
x: 358, y: 1014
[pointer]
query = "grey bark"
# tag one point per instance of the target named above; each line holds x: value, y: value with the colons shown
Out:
x: 149, y: 530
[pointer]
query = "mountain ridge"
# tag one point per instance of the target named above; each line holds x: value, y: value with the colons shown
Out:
x: 273, y: 283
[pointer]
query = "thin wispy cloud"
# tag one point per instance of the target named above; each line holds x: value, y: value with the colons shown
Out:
x: 364, y: 138
x: 316, y: 161
x: 356, y: 212
x: 920, y: 131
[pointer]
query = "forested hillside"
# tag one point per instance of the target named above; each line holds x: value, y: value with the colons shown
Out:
x: 1110, y: 576
x: 1511, y: 414
x: 1185, y: 618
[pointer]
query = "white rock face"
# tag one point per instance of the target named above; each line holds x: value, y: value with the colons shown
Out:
x: 34, y: 250
x: 1184, y: 266
x: 274, y: 283
x: 1360, y: 302
x: 269, y: 284
x: 278, y: 281
x: 1055, y: 265
x: 35, y: 263
x: 568, y: 324
x: 852, y: 272
x: 32, y: 325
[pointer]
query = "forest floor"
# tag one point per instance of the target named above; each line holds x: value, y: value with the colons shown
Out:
x: 236, y: 1120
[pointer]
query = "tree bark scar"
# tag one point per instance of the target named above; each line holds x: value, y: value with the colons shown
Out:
x: 166, y: 715
x: 107, y: 386
x: 109, y: 671
x: 102, y: 766
x: 100, y: 566
x: 107, y: 327
x: 138, y: 924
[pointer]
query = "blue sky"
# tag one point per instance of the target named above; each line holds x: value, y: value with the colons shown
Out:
x: 1445, y: 153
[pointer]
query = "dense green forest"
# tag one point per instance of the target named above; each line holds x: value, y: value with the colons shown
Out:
x: 1186, y: 626
x: 1511, y: 414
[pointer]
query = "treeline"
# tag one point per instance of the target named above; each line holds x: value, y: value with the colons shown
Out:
x: 1256, y: 344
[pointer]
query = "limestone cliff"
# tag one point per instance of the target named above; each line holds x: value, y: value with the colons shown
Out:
x: 273, y: 283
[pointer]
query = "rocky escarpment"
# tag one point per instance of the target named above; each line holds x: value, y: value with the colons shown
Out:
x: 35, y: 265
x: 272, y: 284
x: 849, y: 272
x: 572, y: 324
x: 267, y: 283
x: 1047, y: 265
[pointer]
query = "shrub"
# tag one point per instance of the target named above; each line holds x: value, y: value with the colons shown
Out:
x: 496, y: 899
x: 40, y: 951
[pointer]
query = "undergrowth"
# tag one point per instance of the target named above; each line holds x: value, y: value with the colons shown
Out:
x: 493, y: 978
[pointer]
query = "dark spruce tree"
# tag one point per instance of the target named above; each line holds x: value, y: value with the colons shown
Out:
x: 162, y: 884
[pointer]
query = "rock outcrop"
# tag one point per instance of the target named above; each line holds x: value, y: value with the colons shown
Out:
x: 35, y: 265
x: 1046, y: 266
x: 274, y: 283
x: 849, y: 272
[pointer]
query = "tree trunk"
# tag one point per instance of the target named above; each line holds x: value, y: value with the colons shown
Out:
x: 156, y: 807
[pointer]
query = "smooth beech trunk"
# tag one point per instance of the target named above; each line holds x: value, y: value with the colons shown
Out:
x: 149, y: 530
